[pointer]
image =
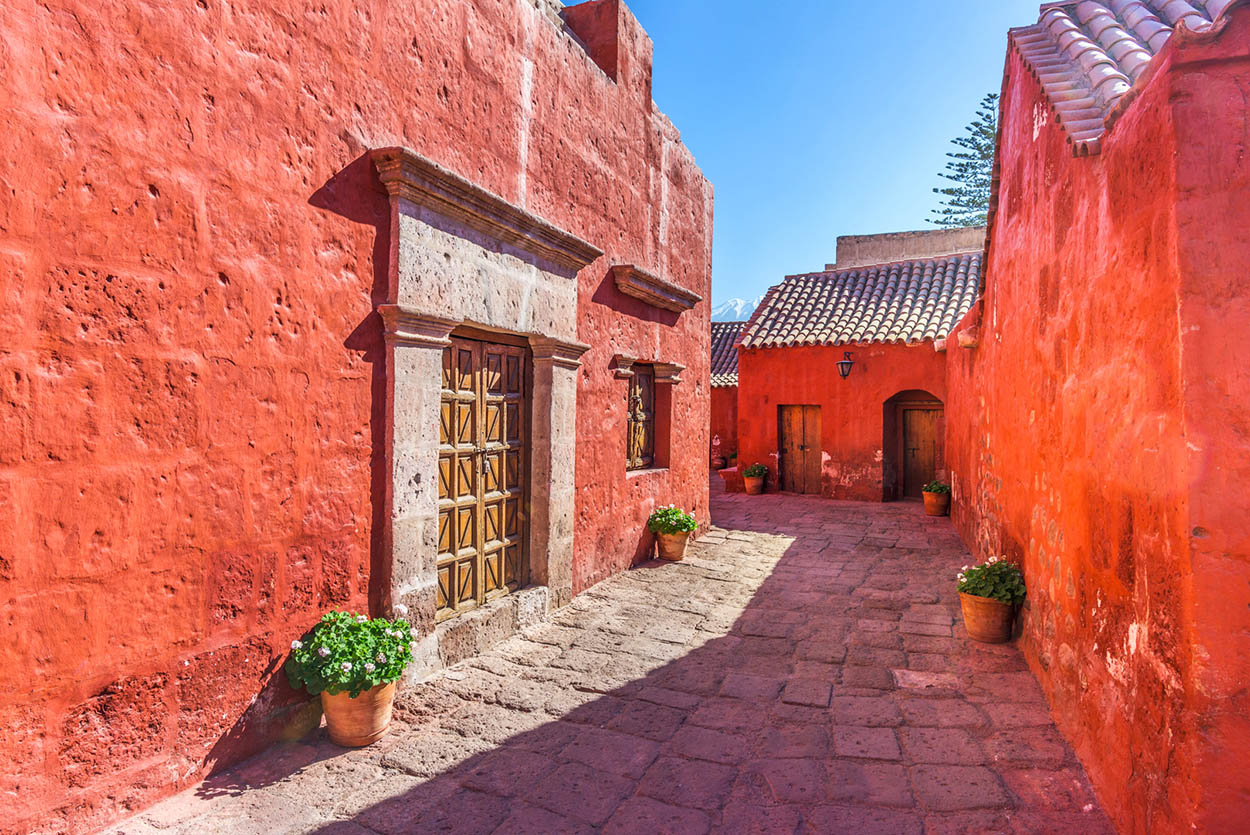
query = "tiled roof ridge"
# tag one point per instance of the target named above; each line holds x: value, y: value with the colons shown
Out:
x: 1090, y: 56
x: 905, y: 301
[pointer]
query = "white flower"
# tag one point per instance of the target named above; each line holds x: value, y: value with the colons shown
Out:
x: 369, y: 668
x: 401, y: 609
x: 323, y: 652
x: 381, y: 658
x: 413, y: 633
x: 347, y: 667
x: 297, y: 644
x: 965, y: 568
x: 993, y: 560
x: 361, y: 618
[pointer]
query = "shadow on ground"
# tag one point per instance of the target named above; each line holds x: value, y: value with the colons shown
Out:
x: 802, y: 671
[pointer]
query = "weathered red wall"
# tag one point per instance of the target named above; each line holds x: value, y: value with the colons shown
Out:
x: 725, y: 418
x: 661, y: 221
x: 192, y: 244
x: 1098, y: 433
x: 851, y: 420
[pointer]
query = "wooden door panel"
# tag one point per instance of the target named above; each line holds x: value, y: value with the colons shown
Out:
x: 482, y: 474
x: 811, y: 449
x: 790, y: 433
x: 919, y: 449
x: 798, y: 442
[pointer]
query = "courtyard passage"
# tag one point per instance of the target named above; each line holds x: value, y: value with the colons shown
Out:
x: 803, y: 670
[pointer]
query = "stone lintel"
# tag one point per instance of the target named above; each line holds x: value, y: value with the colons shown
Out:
x: 414, y: 178
x: 653, y: 290
x: 407, y: 327
x: 624, y: 366
x: 560, y: 352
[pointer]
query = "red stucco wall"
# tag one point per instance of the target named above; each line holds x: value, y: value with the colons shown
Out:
x: 852, y: 423
x: 192, y: 244
x: 1098, y: 432
x: 725, y: 418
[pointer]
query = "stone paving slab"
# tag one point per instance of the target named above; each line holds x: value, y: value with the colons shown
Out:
x: 804, y: 670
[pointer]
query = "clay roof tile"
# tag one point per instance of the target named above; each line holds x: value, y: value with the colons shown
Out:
x: 724, y: 353
x: 904, y: 301
x: 1091, y: 52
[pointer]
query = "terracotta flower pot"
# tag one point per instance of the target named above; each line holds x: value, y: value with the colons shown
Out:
x: 672, y: 546
x: 936, y: 504
x: 754, y: 486
x: 354, y: 723
x: 986, y: 619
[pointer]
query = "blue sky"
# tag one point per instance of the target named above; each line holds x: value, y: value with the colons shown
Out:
x: 819, y: 118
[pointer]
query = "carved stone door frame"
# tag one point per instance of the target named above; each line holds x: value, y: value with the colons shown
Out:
x: 463, y: 257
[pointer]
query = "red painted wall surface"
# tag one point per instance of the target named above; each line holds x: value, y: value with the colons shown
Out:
x: 725, y: 418
x: 192, y: 245
x: 1099, y: 432
x: 852, y: 422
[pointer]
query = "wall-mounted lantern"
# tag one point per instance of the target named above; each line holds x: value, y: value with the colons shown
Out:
x: 844, y: 364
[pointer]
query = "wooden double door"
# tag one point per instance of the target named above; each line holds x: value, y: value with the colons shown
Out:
x: 798, y: 441
x: 483, y: 473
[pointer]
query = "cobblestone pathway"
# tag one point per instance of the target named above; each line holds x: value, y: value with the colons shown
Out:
x: 802, y: 671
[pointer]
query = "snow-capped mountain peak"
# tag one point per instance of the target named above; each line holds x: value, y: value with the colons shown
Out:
x: 735, y: 310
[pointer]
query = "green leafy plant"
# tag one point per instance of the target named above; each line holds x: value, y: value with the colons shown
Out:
x: 937, y: 487
x: 350, y: 652
x: 994, y: 578
x: 671, y: 519
x: 755, y: 471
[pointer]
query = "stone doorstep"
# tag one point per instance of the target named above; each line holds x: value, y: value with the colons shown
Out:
x: 480, y: 629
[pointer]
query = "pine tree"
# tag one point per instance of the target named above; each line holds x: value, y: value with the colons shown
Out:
x: 967, y: 202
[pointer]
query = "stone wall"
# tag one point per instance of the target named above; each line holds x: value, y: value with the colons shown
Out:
x: 193, y: 379
x: 865, y: 250
x: 1098, y: 431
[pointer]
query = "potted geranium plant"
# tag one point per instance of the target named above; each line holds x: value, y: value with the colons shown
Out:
x: 753, y: 478
x: 989, y: 595
x: 672, y: 527
x: 353, y: 662
x: 937, y: 498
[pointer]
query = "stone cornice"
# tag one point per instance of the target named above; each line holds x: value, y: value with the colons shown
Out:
x: 653, y: 290
x: 668, y: 372
x: 624, y: 366
x: 556, y: 351
x: 665, y: 372
x: 412, y: 329
x: 416, y: 179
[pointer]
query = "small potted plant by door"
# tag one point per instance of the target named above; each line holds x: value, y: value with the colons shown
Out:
x: 672, y: 527
x: 989, y: 596
x: 937, y: 498
x: 753, y: 478
x: 353, y: 662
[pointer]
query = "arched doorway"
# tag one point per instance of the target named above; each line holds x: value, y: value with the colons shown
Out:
x: 913, y: 443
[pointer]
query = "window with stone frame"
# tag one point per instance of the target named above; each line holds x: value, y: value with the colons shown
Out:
x: 640, y: 419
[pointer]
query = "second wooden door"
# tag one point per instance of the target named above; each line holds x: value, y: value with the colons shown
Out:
x: 799, y: 448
